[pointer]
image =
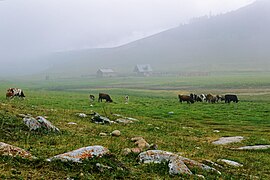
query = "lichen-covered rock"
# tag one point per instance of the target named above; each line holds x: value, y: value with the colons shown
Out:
x: 227, y: 140
x: 177, y: 164
x: 46, y: 124
x: 31, y: 123
x: 10, y: 150
x: 39, y: 123
x: 155, y: 156
x: 82, y: 153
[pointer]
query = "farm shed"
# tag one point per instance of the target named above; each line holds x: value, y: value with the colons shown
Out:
x: 143, y: 69
x: 106, y: 73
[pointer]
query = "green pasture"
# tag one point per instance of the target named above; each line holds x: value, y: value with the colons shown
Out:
x: 189, y: 130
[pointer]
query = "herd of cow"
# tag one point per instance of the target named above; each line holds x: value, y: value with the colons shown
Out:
x: 15, y: 92
x: 208, y: 98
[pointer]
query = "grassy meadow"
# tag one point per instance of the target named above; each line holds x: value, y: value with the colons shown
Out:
x: 189, y: 130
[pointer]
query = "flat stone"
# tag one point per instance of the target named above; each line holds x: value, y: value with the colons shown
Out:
x: 82, y: 153
x: 72, y: 123
x: 124, y: 121
x: 228, y: 140
x: 230, y: 162
x: 258, y: 147
x: 10, y: 150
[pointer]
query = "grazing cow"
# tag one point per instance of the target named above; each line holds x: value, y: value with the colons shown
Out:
x: 104, y: 96
x: 231, y: 97
x: 211, y: 98
x: 186, y: 98
x: 203, y: 97
x: 91, y: 98
x: 14, y: 92
x: 198, y: 99
x: 126, y: 99
x: 221, y: 98
x: 208, y: 97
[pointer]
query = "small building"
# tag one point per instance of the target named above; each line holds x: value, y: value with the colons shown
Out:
x: 143, y: 69
x: 106, y: 73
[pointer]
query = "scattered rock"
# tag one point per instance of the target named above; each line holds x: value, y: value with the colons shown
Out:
x: 31, y: 123
x: 116, y: 133
x: 126, y: 151
x: 253, y: 147
x: 101, y: 120
x: 136, y: 150
x: 212, y: 163
x: 10, y: 150
x: 142, y: 144
x: 82, y: 115
x: 132, y: 119
x: 82, y: 153
x: 72, y: 123
x: 124, y: 121
x: 227, y: 140
x: 102, y: 134
x: 230, y: 162
x: 177, y: 164
x: 39, y: 123
x: 200, y: 176
x: 102, y: 167
x: 136, y: 138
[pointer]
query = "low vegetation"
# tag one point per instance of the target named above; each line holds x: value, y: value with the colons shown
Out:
x: 175, y: 127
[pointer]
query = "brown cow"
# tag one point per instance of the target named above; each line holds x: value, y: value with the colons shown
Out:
x: 104, y: 96
x: 186, y: 98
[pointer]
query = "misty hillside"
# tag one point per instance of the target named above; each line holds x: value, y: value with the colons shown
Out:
x: 238, y: 40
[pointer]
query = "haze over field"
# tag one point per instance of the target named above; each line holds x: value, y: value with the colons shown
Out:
x: 32, y: 29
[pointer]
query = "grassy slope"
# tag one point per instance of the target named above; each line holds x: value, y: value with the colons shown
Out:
x: 189, y: 130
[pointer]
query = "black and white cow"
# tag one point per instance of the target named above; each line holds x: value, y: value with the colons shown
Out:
x: 14, y: 92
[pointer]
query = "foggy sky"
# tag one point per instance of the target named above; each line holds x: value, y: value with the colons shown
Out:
x: 31, y: 27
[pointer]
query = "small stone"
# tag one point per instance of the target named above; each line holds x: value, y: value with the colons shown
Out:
x: 216, y: 131
x: 142, y: 144
x: 200, y: 176
x: 136, y: 138
x: 157, y: 128
x: 82, y: 115
x: 72, y: 123
x: 136, y: 150
x: 116, y: 133
x: 102, y: 134
x: 126, y: 151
